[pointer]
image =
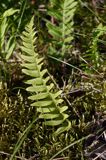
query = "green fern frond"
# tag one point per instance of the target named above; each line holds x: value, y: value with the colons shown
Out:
x: 48, y: 103
x: 61, y: 30
x: 93, y: 52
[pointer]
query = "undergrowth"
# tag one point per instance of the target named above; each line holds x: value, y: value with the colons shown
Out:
x: 52, y: 79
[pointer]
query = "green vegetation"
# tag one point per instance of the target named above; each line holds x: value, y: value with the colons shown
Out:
x: 52, y: 79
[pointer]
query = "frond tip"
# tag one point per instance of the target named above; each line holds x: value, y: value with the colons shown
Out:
x: 48, y: 103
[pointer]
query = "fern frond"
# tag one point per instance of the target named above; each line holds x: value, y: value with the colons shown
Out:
x: 93, y: 53
x: 48, y: 103
x: 61, y: 30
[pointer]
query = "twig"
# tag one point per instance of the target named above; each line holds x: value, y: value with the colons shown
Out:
x: 99, y: 155
x: 1, y: 152
x: 61, y: 158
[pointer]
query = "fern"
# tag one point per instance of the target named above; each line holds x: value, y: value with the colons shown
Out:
x: 48, y: 103
x: 93, y: 53
x: 61, y: 28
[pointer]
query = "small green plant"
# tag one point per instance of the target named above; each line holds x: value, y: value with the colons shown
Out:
x: 46, y: 100
x: 7, y: 41
x: 61, y: 26
x: 93, y: 53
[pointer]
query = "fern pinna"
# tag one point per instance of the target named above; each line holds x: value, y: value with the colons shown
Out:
x: 48, y: 103
x: 61, y: 26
